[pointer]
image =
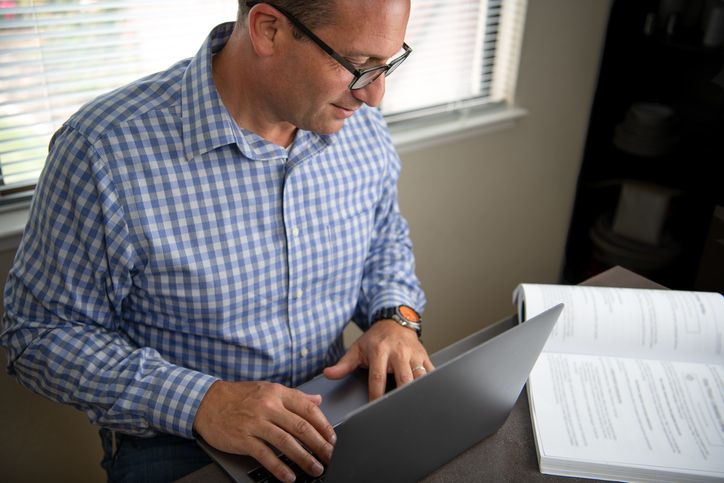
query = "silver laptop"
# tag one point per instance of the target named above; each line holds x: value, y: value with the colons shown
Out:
x: 414, y: 429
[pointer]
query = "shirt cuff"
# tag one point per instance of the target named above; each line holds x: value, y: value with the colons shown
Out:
x: 177, y: 400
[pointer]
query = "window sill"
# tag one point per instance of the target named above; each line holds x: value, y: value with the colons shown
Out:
x: 434, y: 131
x: 408, y: 136
x: 12, y: 224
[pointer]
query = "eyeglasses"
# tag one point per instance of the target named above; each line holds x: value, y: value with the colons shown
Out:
x: 362, y: 78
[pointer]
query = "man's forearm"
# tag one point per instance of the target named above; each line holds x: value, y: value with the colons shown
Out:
x: 116, y: 385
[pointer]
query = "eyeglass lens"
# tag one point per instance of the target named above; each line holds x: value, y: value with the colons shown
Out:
x: 369, y: 76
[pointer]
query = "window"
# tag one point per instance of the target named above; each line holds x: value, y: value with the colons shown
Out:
x: 56, y: 55
x: 454, y: 49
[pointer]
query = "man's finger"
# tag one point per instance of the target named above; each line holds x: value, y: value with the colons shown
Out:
x: 287, y: 444
x: 315, y: 398
x: 306, y: 422
x: 348, y: 363
x: 377, y: 376
x: 303, y: 432
x: 269, y: 460
x: 418, y: 370
x: 401, y: 366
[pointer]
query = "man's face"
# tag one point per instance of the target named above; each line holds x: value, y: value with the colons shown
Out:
x: 314, y: 92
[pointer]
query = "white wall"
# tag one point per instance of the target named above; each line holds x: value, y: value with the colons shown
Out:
x: 486, y: 213
x: 493, y: 211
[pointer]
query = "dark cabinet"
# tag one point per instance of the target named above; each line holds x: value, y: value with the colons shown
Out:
x: 651, y: 174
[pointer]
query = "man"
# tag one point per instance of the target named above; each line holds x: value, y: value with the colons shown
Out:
x: 200, y: 238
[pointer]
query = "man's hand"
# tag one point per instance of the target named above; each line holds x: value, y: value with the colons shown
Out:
x: 241, y: 417
x: 385, y: 347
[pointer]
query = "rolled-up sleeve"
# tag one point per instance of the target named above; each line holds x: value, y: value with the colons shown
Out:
x: 64, y: 299
x: 389, y: 277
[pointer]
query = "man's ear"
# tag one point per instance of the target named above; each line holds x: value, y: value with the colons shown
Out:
x: 263, y: 23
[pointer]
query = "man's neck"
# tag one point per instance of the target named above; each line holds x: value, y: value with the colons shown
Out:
x: 241, y: 97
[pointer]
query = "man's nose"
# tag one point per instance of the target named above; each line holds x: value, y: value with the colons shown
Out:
x: 372, y: 93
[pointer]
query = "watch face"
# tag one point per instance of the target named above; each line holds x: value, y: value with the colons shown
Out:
x: 408, y: 313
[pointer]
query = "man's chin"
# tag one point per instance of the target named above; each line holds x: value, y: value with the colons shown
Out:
x: 331, y: 123
x: 331, y: 127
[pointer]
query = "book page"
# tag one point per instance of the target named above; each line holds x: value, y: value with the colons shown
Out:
x: 652, y: 324
x: 625, y: 412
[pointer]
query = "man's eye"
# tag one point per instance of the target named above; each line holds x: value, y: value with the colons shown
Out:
x: 358, y: 63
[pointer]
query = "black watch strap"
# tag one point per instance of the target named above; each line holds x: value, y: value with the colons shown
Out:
x: 384, y: 313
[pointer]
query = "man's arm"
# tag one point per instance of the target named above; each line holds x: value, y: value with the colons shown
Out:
x: 64, y: 302
x: 388, y: 280
x: 64, y: 298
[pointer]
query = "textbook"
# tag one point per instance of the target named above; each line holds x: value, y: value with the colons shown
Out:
x: 630, y: 384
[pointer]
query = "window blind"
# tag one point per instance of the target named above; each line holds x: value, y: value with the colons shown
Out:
x: 465, y: 56
x: 57, y: 55
x: 453, y: 45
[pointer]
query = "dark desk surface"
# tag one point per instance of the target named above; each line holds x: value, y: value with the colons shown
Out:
x: 507, y: 456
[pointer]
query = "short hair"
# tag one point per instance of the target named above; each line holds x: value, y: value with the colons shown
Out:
x: 312, y: 13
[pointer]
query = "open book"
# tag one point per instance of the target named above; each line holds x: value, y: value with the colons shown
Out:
x: 630, y: 385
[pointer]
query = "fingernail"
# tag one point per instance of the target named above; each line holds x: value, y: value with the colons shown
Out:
x: 317, y: 469
x: 333, y: 438
x: 290, y: 477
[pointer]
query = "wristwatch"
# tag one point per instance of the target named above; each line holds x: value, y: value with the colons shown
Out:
x: 404, y: 315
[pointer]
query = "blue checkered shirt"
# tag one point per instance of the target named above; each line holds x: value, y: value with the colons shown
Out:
x: 167, y: 248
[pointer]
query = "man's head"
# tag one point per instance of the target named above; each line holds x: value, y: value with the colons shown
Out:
x: 313, y: 13
x: 308, y: 68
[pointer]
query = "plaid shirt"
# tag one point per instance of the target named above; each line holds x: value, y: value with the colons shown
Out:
x: 167, y: 248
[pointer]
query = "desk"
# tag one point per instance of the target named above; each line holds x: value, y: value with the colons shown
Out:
x: 508, y: 455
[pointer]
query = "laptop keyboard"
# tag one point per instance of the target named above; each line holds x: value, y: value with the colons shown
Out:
x: 262, y: 475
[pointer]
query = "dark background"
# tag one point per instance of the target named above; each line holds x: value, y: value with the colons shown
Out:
x: 667, y: 53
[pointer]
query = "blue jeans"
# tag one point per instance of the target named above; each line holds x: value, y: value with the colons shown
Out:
x: 163, y: 458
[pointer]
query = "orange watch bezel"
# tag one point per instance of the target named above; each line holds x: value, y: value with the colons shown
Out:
x: 409, y: 313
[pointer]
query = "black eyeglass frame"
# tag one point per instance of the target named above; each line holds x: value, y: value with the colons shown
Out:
x: 368, y: 76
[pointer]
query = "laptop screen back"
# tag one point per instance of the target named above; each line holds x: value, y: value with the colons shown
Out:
x: 408, y: 433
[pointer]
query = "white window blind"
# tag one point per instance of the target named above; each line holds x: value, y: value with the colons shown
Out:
x: 57, y: 55
x: 465, y: 56
x: 453, y: 45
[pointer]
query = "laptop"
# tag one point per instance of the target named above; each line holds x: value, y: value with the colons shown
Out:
x: 412, y: 430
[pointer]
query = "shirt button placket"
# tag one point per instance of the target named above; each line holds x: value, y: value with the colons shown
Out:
x: 291, y: 234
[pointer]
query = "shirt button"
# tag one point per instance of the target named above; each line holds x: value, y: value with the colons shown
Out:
x: 300, y: 292
x: 295, y: 231
x: 304, y: 352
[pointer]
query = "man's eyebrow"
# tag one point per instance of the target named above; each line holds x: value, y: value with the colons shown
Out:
x: 371, y: 56
x: 361, y: 54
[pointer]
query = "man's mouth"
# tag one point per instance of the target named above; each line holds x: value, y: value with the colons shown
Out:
x: 345, y: 111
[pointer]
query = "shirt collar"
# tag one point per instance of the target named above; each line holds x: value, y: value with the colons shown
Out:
x: 208, y: 125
